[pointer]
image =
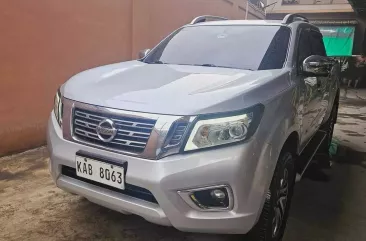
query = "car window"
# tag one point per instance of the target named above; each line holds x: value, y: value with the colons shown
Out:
x: 317, y: 44
x: 230, y: 46
x: 304, y: 50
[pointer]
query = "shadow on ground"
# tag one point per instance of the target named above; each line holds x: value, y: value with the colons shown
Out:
x: 330, y: 204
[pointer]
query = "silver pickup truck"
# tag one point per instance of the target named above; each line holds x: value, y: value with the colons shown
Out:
x: 206, y: 132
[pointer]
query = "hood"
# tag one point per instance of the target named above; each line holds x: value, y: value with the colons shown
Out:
x: 173, y: 89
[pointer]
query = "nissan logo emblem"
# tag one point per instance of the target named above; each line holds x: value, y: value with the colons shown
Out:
x: 106, y: 130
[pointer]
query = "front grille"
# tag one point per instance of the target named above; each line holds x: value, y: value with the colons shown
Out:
x: 130, y: 190
x: 132, y: 133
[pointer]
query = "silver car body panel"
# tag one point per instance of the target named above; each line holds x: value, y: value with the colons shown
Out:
x: 160, y: 89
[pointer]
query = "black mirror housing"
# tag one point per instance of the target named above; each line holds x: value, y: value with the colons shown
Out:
x: 143, y: 53
x: 317, y: 66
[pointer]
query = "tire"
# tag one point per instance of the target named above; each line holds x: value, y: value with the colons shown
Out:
x: 328, y: 127
x: 272, y: 222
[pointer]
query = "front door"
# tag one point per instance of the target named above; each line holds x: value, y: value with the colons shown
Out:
x: 310, y: 92
x: 323, y: 83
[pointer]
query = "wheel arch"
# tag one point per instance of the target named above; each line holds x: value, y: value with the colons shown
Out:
x: 289, y: 142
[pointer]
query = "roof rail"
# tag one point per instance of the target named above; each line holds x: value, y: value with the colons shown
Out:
x: 290, y: 18
x: 207, y: 18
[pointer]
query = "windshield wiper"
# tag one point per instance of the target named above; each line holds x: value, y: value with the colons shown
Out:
x: 218, y: 66
x: 204, y: 65
x: 208, y: 65
x: 157, y: 62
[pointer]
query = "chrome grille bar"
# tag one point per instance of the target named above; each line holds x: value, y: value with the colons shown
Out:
x: 116, y: 141
x: 85, y: 124
x: 132, y: 134
x: 88, y: 116
x: 133, y: 124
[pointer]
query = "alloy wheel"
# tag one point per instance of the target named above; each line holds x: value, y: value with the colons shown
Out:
x: 281, y: 202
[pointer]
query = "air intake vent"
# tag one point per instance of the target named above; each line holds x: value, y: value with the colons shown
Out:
x: 177, y: 136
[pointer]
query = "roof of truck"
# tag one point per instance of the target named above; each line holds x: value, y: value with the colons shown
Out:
x: 243, y: 22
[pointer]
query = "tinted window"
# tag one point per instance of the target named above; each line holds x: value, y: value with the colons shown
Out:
x: 304, y: 47
x: 242, y: 47
x: 317, y: 44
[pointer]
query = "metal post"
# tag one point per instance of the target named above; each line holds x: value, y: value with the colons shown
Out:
x: 246, y: 10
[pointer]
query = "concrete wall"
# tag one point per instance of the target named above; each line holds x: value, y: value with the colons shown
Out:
x: 44, y: 42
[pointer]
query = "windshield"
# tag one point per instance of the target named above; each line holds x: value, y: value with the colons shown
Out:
x: 232, y: 46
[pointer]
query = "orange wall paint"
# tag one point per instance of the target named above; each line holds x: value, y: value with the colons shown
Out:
x: 45, y: 42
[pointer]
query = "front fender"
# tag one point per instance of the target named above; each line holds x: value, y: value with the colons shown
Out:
x: 279, y: 120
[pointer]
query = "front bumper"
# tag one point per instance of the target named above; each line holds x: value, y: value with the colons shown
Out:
x: 242, y: 167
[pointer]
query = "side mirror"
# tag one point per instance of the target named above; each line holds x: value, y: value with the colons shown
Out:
x: 316, y: 65
x: 144, y: 53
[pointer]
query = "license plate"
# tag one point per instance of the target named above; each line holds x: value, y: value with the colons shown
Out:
x: 102, y: 172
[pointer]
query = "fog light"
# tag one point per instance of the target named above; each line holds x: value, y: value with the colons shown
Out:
x: 218, y: 194
x: 216, y: 198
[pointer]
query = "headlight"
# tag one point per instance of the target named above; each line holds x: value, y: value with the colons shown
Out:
x: 57, y: 107
x: 220, y: 131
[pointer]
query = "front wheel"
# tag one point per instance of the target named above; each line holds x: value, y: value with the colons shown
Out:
x: 273, y: 219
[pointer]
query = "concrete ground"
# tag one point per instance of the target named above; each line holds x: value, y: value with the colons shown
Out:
x: 328, y: 205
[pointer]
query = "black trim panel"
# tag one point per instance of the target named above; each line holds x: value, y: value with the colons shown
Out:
x: 130, y: 190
